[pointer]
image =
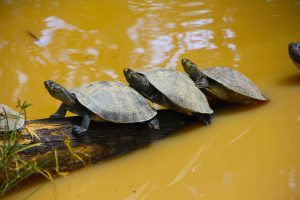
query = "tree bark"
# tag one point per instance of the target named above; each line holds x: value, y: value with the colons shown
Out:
x: 101, y: 142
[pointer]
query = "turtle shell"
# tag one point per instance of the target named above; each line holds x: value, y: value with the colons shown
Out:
x: 9, y: 119
x: 113, y: 101
x: 234, y: 81
x: 294, y: 52
x: 179, y: 89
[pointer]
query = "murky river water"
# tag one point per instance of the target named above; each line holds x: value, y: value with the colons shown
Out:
x: 247, y: 152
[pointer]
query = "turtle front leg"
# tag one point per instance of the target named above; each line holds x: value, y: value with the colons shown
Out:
x: 205, y: 119
x: 153, y: 123
x: 61, y: 111
x: 79, y: 131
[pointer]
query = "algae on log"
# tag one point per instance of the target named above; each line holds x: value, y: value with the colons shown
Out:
x: 102, y: 141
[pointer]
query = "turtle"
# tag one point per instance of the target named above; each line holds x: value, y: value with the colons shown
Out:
x: 171, y: 89
x: 110, y: 101
x: 224, y: 83
x: 10, y: 120
x: 294, y: 52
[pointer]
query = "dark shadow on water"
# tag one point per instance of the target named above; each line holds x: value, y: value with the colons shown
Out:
x: 292, y: 80
x: 226, y: 108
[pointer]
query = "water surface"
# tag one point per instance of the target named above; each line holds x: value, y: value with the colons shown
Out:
x: 248, y: 152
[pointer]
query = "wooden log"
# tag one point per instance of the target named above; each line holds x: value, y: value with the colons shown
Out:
x: 59, y: 148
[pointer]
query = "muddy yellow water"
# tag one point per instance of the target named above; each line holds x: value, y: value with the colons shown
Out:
x: 248, y: 152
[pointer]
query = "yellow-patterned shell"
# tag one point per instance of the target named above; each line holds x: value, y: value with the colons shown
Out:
x: 240, y: 86
x: 9, y: 119
x: 114, y: 101
x: 179, y: 89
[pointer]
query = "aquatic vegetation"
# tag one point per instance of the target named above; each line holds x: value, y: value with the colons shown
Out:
x: 14, y: 168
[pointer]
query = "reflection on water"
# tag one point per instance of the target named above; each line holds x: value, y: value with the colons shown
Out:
x: 157, y: 33
x: 188, y: 167
x: 82, y: 53
x: 194, y: 13
x: 228, y: 33
x: 53, y: 24
x: 111, y: 73
x: 159, y: 36
x: 140, y: 193
x: 3, y: 44
x: 196, y: 23
x: 22, y: 80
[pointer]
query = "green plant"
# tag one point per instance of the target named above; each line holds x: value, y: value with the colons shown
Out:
x: 14, y: 168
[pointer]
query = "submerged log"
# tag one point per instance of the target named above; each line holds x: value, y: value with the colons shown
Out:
x: 60, y: 149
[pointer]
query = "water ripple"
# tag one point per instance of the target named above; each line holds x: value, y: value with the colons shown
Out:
x: 156, y: 39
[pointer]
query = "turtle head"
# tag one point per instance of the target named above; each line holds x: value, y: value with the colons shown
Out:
x: 191, y: 68
x: 134, y: 79
x: 59, y: 92
x: 139, y: 82
x: 294, y: 51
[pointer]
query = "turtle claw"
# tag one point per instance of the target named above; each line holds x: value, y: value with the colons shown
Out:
x: 153, y: 124
x: 78, y: 131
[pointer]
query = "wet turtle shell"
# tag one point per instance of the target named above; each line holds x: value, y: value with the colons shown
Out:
x: 114, y: 101
x: 9, y: 119
x: 238, y: 88
x: 179, y: 89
